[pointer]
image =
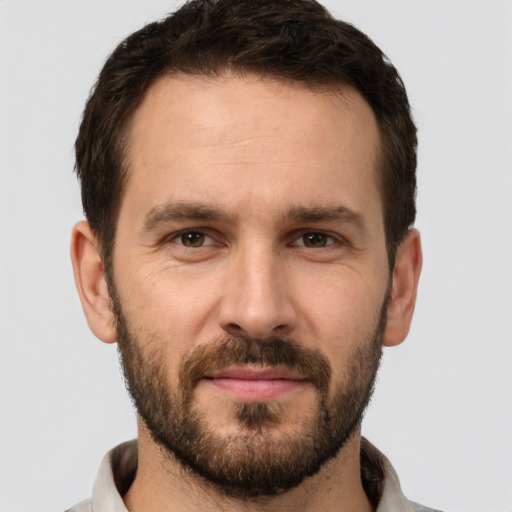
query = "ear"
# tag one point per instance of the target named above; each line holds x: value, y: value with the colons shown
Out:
x: 90, y: 281
x: 406, y: 275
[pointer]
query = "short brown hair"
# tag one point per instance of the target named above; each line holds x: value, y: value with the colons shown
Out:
x: 295, y: 40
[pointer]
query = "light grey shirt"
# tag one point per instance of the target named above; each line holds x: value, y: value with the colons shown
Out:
x: 118, y: 468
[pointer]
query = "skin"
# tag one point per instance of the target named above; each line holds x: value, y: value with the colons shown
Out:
x: 256, y: 152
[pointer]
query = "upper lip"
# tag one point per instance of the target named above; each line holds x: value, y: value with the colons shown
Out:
x: 255, y: 373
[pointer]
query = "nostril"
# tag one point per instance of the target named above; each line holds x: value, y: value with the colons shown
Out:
x: 257, y: 315
x: 234, y: 329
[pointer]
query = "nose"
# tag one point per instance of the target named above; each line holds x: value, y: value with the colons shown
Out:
x: 256, y: 300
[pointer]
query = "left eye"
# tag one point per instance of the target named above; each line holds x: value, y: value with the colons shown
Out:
x: 192, y: 239
x: 315, y: 240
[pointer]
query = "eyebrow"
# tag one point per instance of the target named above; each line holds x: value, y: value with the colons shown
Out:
x: 304, y: 214
x: 180, y: 211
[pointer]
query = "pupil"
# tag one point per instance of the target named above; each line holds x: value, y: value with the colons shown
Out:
x: 315, y: 239
x: 192, y: 239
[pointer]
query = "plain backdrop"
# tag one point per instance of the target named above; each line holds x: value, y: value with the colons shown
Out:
x: 442, y: 410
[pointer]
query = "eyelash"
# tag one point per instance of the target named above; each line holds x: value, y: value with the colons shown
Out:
x: 174, y: 238
x: 331, y: 239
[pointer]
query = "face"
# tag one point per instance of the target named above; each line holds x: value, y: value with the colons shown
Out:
x: 250, y: 276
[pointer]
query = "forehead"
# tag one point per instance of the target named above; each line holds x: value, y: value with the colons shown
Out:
x: 248, y: 140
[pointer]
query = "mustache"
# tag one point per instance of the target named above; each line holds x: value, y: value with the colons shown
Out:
x: 243, y: 350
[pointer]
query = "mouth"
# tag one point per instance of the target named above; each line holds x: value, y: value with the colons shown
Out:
x: 256, y: 383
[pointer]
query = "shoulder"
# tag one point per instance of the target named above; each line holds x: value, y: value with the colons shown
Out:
x: 83, y: 506
x: 415, y: 507
x: 381, y: 482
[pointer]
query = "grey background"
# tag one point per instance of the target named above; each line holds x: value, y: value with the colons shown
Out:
x: 442, y: 409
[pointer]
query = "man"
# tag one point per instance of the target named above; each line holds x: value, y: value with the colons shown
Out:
x: 248, y: 178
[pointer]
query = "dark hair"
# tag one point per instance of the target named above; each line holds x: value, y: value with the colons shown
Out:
x: 295, y: 40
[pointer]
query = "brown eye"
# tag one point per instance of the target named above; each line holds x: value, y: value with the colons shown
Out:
x: 315, y: 239
x: 192, y: 239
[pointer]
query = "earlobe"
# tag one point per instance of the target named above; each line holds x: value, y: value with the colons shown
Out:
x: 90, y: 281
x: 406, y: 276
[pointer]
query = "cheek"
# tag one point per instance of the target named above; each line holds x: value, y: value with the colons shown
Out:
x: 341, y: 312
x: 172, y: 304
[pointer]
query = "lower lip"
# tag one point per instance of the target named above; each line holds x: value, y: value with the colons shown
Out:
x: 257, y: 389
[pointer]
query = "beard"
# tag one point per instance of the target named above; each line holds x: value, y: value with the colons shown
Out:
x: 265, y: 456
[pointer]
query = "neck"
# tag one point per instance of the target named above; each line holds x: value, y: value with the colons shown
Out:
x: 162, y: 482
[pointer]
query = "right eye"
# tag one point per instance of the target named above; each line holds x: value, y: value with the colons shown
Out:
x: 192, y: 239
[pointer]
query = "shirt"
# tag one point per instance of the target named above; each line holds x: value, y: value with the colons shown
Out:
x: 119, y: 466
